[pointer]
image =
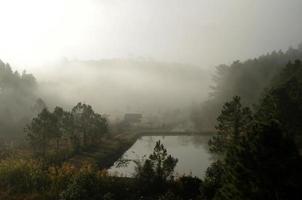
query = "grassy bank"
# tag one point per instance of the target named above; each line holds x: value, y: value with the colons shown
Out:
x: 109, y: 150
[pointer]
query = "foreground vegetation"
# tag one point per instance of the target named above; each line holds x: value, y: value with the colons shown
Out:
x: 30, y: 179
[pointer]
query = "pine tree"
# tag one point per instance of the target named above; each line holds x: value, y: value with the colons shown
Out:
x: 156, y: 171
x: 265, y: 164
x: 41, y: 131
x: 213, y: 180
x: 233, y: 122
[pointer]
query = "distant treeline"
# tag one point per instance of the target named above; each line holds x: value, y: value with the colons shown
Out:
x: 247, y: 79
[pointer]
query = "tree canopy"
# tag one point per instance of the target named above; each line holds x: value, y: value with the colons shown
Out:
x: 79, y: 129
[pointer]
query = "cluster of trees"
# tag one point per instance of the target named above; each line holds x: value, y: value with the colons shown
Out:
x: 246, y: 79
x: 17, y: 97
x: 257, y: 148
x: 52, y: 132
x: 257, y: 157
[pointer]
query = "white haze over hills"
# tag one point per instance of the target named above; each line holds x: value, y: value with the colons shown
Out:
x: 117, y: 86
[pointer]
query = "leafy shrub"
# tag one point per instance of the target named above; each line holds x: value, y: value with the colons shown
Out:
x: 84, y: 185
x: 22, y: 176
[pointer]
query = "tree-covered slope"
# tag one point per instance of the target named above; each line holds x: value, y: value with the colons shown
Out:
x: 17, y: 100
x: 246, y: 79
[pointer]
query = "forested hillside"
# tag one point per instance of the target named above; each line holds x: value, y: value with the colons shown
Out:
x: 284, y: 99
x: 247, y: 79
x: 18, y: 101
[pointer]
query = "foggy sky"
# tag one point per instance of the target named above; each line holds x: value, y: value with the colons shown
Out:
x: 200, y: 32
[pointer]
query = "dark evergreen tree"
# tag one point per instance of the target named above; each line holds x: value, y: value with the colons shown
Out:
x: 284, y: 100
x: 265, y: 164
x: 233, y: 122
x: 41, y: 131
x: 156, y: 171
x: 89, y: 125
x: 213, y: 180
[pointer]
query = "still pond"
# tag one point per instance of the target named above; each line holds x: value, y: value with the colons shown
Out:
x: 191, y: 151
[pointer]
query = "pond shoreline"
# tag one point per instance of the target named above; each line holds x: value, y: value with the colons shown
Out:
x: 109, y: 150
x: 126, y: 141
x: 113, y: 147
x: 186, y: 148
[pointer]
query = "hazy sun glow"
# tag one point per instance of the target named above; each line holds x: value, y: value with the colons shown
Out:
x: 34, y: 31
x: 202, y: 32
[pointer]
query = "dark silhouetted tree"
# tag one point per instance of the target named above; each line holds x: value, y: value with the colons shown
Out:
x: 213, y: 180
x: 264, y: 164
x: 233, y: 122
x: 41, y: 131
x: 156, y: 171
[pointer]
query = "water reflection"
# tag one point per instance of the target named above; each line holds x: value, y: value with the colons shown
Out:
x: 191, y: 151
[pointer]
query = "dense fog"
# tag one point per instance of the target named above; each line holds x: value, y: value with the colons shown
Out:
x: 120, y: 86
x: 159, y: 91
x: 126, y: 85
